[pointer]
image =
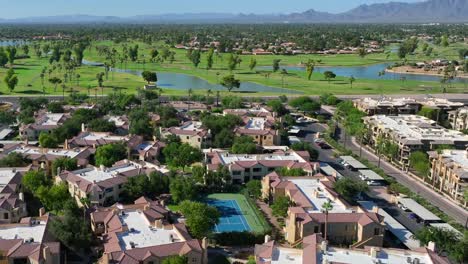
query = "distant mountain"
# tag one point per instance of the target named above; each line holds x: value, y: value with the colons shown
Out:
x: 441, y: 11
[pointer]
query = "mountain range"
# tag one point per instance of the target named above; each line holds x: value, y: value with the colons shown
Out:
x: 430, y: 11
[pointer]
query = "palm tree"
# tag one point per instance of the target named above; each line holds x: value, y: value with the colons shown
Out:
x: 208, y: 94
x: 217, y: 98
x: 351, y: 80
x: 326, y: 207
x: 284, y: 72
x: 78, y: 79
x: 190, y: 92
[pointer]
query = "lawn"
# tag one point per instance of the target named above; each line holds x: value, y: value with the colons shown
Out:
x: 253, y: 217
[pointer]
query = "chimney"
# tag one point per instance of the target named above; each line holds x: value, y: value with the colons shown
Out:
x: 42, y: 211
x: 154, y: 139
x: 374, y: 252
x: 267, y: 238
x: 46, y: 253
x: 26, y: 141
x: 83, y: 127
x: 158, y: 223
x: 21, y: 196
x: 375, y: 209
x: 324, y: 246
x: 432, y: 246
x: 59, y: 170
x: 162, y: 203
x: 65, y: 145
x: 102, y: 167
x: 42, y: 165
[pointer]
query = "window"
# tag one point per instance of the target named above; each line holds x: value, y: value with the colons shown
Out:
x: 194, y: 259
x: 188, y: 137
x: 316, y: 229
x: 108, y: 190
x: 247, y: 170
x: 257, y: 169
x: 199, y: 139
x: 236, y: 173
x: 376, y: 231
x: 5, y: 215
x: 120, y: 186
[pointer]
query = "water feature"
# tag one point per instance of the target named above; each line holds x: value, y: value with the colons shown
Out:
x: 11, y: 42
x: 370, y: 72
x: 180, y: 81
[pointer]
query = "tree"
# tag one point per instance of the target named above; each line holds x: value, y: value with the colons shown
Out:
x: 183, y: 189
x: 3, y: 57
x: 280, y: 206
x: 362, y: 52
x: 230, y: 82
x: 224, y: 139
x: 71, y: 229
x: 175, y: 260
x: 55, y: 81
x: 233, y: 61
x: 351, y: 81
x: 254, y: 187
x: 11, y: 80
x: 78, y: 51
x: 329, y: 75
x: 55, y: 107
x: 277, y: 107
x: 276, y: 65
x: 310, y: 67
x: 11, y: 54
x: 447, y: 241
x: 420, y: 162
x: 149, y: 76
x: 195, y: 58
x: 47, y: 140
x: 64, y: 163
x: 349, y: 188
x: 153, y: 54
x: 151, y: 186
x: 244, y: 145
x: 305, y: 103
x: 32, y: 180
x: 201, y: 218
x: 326, y: 207
x: 99, y: 125
x: 252, y: 64
x: 181, y: 155
x: 109, y: 154
x: 14, y: 160
x: 100, y: 78
x: 209, y: 59
x: 251, y: 260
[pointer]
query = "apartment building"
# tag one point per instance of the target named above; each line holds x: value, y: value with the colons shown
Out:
x: 191, y: 132
x: 101, y: 185
x: 404, y: 106
x: 139, y: 233
x: 44, y: 157
x: 246, y: 167
x: 12, y: 203
x: 260, y: 130
x: 458, y: 119
x: 29, y: 242
x: 449, y: 173
x: 44, y: 122
x: 96, y: 139
x: 256, y: 111
x: 315, y: 250
x: 345, y: 224
x: 412, y: 133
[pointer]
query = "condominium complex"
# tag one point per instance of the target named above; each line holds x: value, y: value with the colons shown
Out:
x: 29, y: 241
x: 458, y: 119
x: 191, y: 132
x: 260, y: 130
x: 412, y: 133
x: 246, y: 167
x: 315, y: 250
x: 101, y: 185
x: 398, y: 106
x: 44, y: 123
x: 12, y: 203
x: 342, y: 223
x: 139, y: 233
x: 449, y: 173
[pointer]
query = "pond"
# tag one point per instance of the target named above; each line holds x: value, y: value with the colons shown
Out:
x: 370, y: 72
x: 180, y: 81
x: 11, y: 42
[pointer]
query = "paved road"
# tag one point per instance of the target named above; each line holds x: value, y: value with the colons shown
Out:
x: 454, y: 211
x: 326, y: 155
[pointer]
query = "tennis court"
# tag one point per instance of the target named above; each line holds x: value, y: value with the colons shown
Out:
x: 231, y: 218
x: 236, y: 213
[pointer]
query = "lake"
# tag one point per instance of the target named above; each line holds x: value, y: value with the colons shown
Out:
x: 180, y: 81
x: 370, y: 72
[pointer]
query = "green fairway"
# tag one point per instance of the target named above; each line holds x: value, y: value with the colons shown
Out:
x: 255, y: 220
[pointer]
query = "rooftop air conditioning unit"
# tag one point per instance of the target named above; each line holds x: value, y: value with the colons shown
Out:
x: 415, y: 261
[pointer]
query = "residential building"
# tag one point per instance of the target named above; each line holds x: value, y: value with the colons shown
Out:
x: 139, y: 233
x: 183, y: 106
x: 345, y: 224
x: 44, y: 123
x: 404, y: 106
x: 256, y: 111
x: 29, y: 241
x: 44, y: 157
x: 147, y: 151
x: 12, y: 203
x: 101, y: 185
x: 449, y: 173
x: 96, y: 139
x: 458, y: 119
x: 387, y: 106
x: 121, y: 122
x: 260, y: 130
x: 246, y: 167
x: 412, y: 133
x: 315, y: 250
x: 191, y: 132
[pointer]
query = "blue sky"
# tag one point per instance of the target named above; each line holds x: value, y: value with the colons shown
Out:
x: 25, y: 8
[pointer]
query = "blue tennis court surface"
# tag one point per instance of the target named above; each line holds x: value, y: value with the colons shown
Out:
x: 232, y: 218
